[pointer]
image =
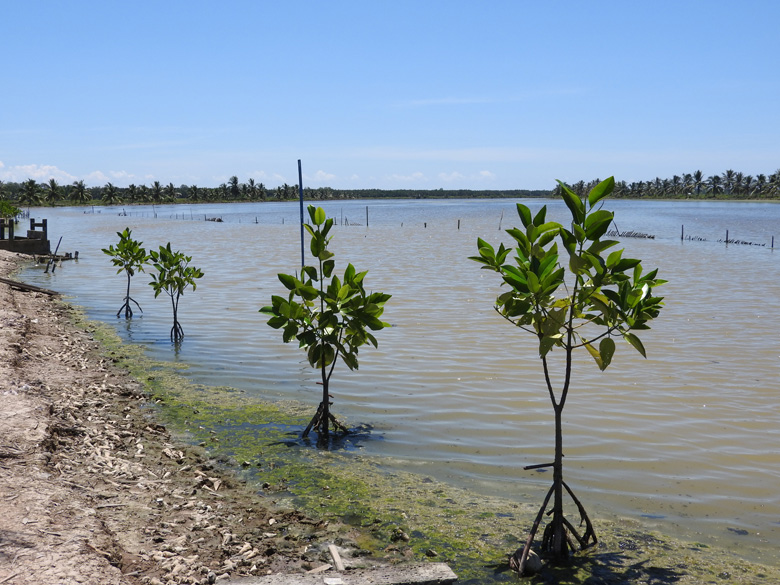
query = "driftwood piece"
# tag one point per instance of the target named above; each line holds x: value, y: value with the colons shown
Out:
x: 421, y: 574
x: 28, y: 287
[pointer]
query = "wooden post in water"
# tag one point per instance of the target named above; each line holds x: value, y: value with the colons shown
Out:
x: 682, y: 233
x: 727, y: 237
x: 300, y: 195
x: 773, y: 243
x: 458, y: 224
x: 366, y: 215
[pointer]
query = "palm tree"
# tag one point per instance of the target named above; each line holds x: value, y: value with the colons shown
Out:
x: 773, y: 186
x: 675, y: 188
x: 748, y: 185
x: 687, y: 183
x: 170, y: 193
x: 251, y: 188
x: 31, y: 194
x: 235, y: 192
x: 78, y: 193
x: 729, y: 179
x: 714, y: 185
x: 761, y: 183
x: 157, y: 194
x: 54, y: 193
x: 698, y: 182
x: 111, y: 195
x: 132, y: 193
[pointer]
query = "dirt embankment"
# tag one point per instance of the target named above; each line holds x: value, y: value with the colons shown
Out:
x: 93, y: 490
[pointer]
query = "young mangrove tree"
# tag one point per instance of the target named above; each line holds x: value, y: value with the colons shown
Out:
x: 330, y: 317
x: 130, y: 257
x: 583, y: 299
x: 174, y: 275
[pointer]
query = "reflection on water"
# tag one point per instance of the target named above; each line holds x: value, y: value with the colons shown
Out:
x: 687, y: 439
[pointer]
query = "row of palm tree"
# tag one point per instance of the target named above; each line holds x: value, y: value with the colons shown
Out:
x: 30, y: 193
x: 728, y: 185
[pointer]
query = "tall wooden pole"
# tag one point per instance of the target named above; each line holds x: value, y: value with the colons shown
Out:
x: 300, y: 196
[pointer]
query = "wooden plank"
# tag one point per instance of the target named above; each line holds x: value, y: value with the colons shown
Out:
x: 28, y: 287
x: 422, y: 574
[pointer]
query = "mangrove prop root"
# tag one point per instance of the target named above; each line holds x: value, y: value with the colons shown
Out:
x: 127, y: 308
x: 590, y: 534
x: 177, y: 333
x: 532, y: 533
x: 571, y: 534
x: 318, y: 423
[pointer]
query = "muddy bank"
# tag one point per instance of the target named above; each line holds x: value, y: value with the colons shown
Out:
x: 115, y: 470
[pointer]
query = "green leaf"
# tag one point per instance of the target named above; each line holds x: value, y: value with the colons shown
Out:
x: 597, y: 224
x: 277, y: 322
x: 601, y: 190
x: 634, y: 341
x: 607, y: 350
x: 308, y: 293
x: 546, y: 343
x: 574, y: 203
x: 289, y: 282
x: 599, y: 246
x: 625, y: 264
x: 594, y: 353
x: 318, y: 217
x: 614, y: 258
x: 524, y: 213
x: 327, y: 268
x: 540, y: 216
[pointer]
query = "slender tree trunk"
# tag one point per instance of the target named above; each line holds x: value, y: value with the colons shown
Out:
x: 559, y: 549
x: 128, y: 310
x: 325, y: 417
x: 176, y: 331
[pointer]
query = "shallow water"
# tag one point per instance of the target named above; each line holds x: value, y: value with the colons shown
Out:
x: 686, y: 441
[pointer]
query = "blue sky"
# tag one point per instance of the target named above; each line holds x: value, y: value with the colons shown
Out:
x: 387, y: 94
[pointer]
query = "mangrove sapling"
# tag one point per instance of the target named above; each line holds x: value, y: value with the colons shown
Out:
x: 174, y: 275
x: 129, y: 256
x: 330, y: 317
x: 603, y: 298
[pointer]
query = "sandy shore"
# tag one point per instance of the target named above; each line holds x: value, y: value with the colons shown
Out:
x: 93, y: 490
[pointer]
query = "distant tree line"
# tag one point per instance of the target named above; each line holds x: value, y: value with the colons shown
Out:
x: 728, y: 185
x: 30, y: 193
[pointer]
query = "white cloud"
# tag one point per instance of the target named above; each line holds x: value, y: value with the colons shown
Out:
x: 323, y: 176
x: 449, y: 177
x: 259, y: 175
x: 418, y: 176
x: 96, y: 178
x: 41, y: 173
x: 122, y: 176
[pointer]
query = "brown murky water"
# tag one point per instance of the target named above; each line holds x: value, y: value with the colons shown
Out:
x: 688, y: 440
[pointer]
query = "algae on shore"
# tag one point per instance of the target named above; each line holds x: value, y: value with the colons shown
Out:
x: 416, y: 514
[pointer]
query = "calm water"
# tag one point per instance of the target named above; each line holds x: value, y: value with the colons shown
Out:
x: 687, y: 441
